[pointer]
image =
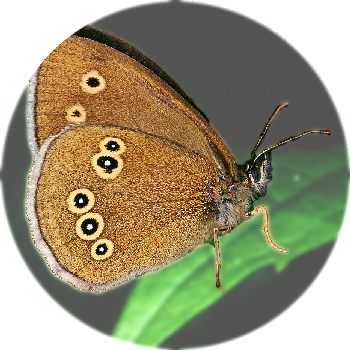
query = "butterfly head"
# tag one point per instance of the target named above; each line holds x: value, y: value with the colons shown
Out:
x: 258, y: 173
x: 258, y: 168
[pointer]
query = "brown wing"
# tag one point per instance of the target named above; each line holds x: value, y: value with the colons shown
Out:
x: 84, y: 81
x: 106, y: 203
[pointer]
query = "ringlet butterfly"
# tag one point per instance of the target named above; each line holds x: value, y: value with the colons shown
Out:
x: 128, y: 173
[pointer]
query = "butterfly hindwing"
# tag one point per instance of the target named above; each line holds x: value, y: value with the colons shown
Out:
x: 99, y: 190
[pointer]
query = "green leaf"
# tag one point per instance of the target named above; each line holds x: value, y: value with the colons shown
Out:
x: 307, y: 199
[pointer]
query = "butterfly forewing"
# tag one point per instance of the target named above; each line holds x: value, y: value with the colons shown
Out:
x: 84, y: 81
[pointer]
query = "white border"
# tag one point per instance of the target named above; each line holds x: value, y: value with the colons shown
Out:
x: 319, y: 31
x: 30, y: 113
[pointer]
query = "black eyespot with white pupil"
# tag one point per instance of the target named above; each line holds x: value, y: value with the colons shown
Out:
x: 112, y: 146
x: 93, y: 82
x: 89, y: 226
x: 81, y: 200
x: 107, y: 163
x: 101, y: 249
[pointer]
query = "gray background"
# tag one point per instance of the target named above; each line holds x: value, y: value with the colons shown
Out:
x: 237, y: 72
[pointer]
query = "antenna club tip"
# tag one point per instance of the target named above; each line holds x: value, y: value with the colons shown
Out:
x: 329, y: 132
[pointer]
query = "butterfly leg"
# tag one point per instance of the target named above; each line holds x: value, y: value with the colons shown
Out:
x: 217, y: 257
x: 266, y: 230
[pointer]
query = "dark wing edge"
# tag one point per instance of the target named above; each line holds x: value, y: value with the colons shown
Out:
x: 101, y: 37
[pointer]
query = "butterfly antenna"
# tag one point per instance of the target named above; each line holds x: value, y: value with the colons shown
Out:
x: 274, y: 114
x: 292, y: 138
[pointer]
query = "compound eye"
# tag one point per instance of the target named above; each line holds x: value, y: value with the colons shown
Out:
x: 256, y: 175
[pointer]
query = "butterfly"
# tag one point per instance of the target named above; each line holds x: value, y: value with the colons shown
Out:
x: 128, y: 174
